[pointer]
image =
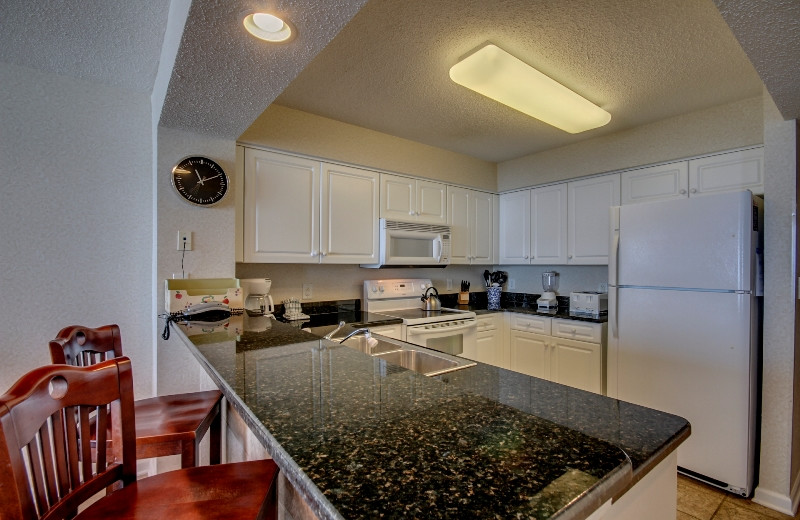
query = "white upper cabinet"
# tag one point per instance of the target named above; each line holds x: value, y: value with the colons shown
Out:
x: 665, y: 181
x: 740, y: 170
x: 470, y: 217
x: 298, y: 210
x: 515, y: 227
x: 281, y: 200
x: 416, y: 200
x: 589, y: 203
x: 549, y: 225
x: 349, y: 211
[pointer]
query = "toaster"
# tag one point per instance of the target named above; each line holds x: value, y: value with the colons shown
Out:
x: 588, y: 303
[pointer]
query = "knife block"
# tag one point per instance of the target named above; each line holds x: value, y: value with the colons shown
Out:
x: 463, y: 298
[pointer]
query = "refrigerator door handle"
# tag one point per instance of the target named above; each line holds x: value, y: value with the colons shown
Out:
x: 613, y: 267
x: 612, y: 311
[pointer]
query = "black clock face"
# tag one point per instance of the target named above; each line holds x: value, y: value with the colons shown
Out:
x: 200, y: 181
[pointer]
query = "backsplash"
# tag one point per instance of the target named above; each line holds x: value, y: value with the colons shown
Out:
x: 338, y: 282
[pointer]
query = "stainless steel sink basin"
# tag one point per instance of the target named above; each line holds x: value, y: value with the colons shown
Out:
x: 394, y: 352
x: 371, y: 346
x: 425, y: 362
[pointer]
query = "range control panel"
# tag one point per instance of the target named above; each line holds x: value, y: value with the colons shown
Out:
x: 395, y: 288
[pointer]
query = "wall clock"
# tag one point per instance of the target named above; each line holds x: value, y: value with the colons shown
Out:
x: 199, y: 181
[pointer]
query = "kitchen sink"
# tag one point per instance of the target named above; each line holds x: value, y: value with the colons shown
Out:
x: 425, y: 362
x: 395, y: 352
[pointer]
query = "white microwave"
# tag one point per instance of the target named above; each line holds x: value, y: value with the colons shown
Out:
x: 410, y: 244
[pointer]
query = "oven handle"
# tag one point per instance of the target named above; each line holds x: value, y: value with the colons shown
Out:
x: 420, y: 329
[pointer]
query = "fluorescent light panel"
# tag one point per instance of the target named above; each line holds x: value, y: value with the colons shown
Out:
x: 496, y: 74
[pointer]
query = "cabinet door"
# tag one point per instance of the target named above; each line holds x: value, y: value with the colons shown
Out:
x: 666, y: 181
x: 529, y: 353
x: 549, y: 225
x: 431, y: 202
x: 577, y: 364
x: 481, y: 227
x: 458, y: 211
x: 349, y: 215
x: 398, y: 197
x: 490, y: 345
x: 742, y: 170
x: 589, y: 203
x: 515, y: 227
x: 281, y: 216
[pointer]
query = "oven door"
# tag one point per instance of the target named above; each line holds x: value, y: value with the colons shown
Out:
x: 451, y: 337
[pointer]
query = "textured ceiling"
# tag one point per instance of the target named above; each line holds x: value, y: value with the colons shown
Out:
x: 769, y: 32
x: 223, y: 77
x: 114, y: 42
x: 641, y: 60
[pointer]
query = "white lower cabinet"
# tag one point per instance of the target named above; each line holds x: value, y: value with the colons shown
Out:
x: 489, y: 344
x: 570, y: 352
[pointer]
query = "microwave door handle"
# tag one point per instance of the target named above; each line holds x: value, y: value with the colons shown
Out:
x: 437, y: 249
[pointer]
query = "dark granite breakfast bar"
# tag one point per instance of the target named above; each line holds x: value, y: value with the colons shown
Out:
x: 360, y: 438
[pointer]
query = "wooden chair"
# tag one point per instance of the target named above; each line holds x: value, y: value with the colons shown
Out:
x: 47, y: 471
x: 165, y: 425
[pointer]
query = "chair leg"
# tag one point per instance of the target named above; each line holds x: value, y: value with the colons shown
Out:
x: 189, y: 454
x: 215, y: 438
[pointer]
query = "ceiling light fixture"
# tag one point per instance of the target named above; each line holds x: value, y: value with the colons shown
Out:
x: 268, y: 27
x: 496, y: 74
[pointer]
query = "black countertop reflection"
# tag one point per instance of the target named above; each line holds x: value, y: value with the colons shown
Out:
x: 359, y: 438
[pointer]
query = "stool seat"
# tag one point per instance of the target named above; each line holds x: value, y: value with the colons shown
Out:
x: 170, y: 424
x: 227, y: 491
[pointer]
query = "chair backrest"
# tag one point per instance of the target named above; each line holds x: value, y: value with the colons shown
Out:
x: 84, y: 346
x: 45, y: 453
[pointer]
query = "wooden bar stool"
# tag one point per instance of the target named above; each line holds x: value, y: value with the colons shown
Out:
x: 46, y: 419
x: 165, y: 425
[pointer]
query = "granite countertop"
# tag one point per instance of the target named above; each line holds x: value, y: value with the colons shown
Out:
x: 359, y: 438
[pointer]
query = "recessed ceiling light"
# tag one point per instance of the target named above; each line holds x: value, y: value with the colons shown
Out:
x: 268, y: 27
x: 498, y: 75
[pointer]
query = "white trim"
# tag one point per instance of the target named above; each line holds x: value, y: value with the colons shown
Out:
x: 777, y: 501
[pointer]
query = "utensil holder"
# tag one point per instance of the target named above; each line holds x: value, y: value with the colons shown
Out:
x: 493, y: 294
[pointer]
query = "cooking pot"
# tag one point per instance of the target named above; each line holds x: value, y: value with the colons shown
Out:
x: 430, y: 302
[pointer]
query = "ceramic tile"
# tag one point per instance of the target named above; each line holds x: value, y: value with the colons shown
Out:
x: 741, y: 510
x: 697, y: 500
x: 732, y: 502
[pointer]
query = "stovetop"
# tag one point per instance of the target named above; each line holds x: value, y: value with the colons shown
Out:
x: 416, y: 314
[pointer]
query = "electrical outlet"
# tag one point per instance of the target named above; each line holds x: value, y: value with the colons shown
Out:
x: 308, y: 292
x: 184, y: 240
x: 512, y: 284
x: 449, y: 284
x: 603, y: 287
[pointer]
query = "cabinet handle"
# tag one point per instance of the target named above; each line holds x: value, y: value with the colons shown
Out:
x: 324, y: 253
x: 693, y: 190
x: 526, y: 257
x: 683, y: 192
x: 570, y: 256
x: 314, y: 253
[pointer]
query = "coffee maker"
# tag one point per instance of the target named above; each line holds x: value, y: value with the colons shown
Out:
x: 257, y: 301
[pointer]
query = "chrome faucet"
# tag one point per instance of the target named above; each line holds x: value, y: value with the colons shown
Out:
x: 366, y: 332
x: 334, y: 331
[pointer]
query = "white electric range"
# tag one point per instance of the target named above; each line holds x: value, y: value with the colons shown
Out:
x: 451, y: 331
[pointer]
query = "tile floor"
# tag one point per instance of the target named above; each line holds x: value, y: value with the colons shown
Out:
x: 697, y: 501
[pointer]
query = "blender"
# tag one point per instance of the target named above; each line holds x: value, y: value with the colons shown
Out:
x: 548, y: 298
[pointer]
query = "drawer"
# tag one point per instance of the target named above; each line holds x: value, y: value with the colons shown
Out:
x: 488, y: 322
x: 580, y: 330
x: 530, y: 323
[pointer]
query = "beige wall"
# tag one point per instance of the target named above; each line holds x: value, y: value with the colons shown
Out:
x: 76, y: 207
x: 780, y: 418
x: 720, y: 128
x: 295, y: 131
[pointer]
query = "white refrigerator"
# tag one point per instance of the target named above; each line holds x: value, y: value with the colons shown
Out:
x: 684, y: 324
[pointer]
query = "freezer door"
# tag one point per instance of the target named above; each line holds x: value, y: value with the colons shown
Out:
x: 695, y: 243
x: 689, y: 353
